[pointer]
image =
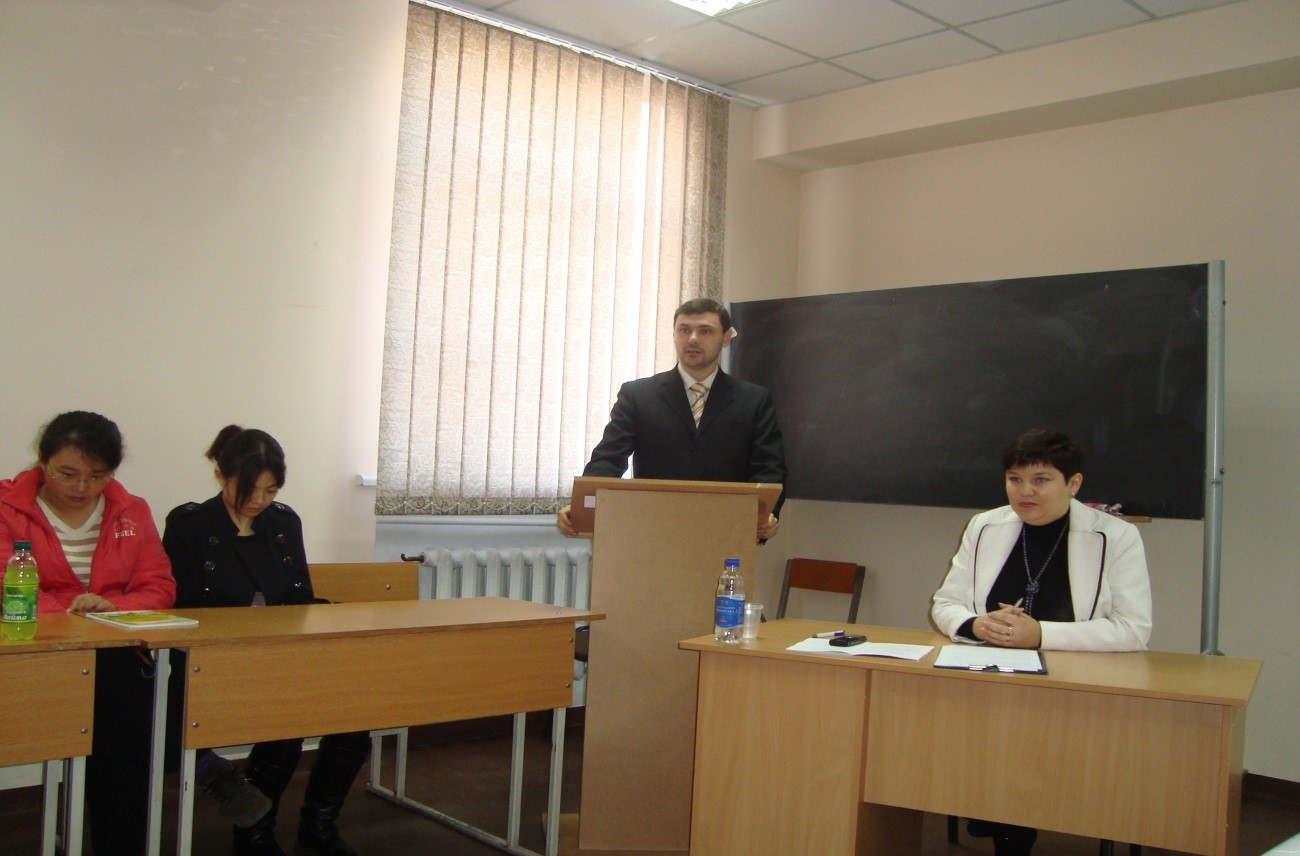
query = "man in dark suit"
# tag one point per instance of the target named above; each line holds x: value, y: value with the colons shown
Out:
x: 694, y: 421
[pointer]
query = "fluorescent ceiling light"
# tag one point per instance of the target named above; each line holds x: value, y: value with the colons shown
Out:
x: 711, y: 7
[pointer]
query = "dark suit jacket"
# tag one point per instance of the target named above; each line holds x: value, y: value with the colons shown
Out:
x: 738, y: 439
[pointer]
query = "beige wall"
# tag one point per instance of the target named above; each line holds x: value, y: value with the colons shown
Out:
x: 1214, y: 181
x: 194, y: 212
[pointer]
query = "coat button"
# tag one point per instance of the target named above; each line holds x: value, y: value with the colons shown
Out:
x: 214, y: 540
x: 209, y: 566
x: 279, y: 539
x: 287, y: 560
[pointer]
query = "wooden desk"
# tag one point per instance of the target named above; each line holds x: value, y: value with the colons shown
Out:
x: 289, y: 671
x: 799, y: 753
x: 47, y: 712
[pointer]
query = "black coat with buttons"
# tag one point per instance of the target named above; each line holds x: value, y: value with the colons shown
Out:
x: 200, y: 541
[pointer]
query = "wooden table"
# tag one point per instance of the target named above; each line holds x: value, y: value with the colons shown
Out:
x: 800, y: 753
x: 291, y: 671
x: 47, y: 712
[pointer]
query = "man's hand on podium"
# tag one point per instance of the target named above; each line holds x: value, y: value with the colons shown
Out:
x: 768, y: 529
x: 563, y: 524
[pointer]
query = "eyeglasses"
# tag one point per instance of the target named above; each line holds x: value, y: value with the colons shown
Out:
x: 92, y: 480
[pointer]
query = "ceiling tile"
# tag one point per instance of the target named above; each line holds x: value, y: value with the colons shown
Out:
x: 718, y: 53
x: 1058, y: 22
x: 937, y: 50
x: 806, y: 81
x: 966, y: 11
x: 607, y: 23
x: 1174, y: 7
x: 834, y: 26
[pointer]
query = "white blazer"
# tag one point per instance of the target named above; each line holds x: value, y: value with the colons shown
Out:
x: 1109, y: 586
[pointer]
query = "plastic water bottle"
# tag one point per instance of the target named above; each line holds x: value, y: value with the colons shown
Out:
x: 729, y: 607
x: 21, y: 586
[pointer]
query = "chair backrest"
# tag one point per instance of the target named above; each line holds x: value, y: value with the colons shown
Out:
x: 822, y: 575
x: 357, y: 582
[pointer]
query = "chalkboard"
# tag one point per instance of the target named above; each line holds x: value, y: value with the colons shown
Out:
x: 908, y: 396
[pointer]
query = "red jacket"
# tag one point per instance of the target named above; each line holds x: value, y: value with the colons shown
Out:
x: 129, y: 567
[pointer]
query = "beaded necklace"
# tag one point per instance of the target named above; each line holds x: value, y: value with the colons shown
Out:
x: 1031, y: 588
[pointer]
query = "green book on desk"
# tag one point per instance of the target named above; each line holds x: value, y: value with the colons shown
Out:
x: 141, y: 618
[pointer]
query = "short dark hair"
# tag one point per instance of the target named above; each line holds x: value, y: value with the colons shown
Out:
x: 244, y: 454
x: 700, y: 305
x: 95, y: 436
x: 1044, y: 446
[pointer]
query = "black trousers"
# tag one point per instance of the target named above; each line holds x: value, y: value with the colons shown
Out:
x: 117, y: 771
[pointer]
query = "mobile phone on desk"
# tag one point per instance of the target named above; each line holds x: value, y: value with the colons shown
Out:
x: 848, y: 641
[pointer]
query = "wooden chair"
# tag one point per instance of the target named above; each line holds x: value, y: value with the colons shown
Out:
x: 359, y: 582
x: 822, y: 575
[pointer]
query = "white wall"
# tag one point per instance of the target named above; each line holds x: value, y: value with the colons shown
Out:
x: 1215, y: 181
x: 195, y: 201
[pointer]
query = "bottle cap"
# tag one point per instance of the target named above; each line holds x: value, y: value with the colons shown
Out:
x: 22, y: 545
x: 732, y: 562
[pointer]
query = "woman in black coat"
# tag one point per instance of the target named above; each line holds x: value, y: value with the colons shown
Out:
x: 242, y: 548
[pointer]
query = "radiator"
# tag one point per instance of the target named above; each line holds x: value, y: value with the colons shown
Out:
x: 558, y: 576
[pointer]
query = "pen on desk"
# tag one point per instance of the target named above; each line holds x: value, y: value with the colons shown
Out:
x: 830, y: 634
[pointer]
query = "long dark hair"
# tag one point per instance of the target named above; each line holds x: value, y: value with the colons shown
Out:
x: 244, y: 454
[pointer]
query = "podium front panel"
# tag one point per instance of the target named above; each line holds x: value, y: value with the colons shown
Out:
x: 656, y: 558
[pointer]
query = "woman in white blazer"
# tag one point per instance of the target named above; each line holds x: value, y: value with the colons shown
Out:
x: 1045, y: 571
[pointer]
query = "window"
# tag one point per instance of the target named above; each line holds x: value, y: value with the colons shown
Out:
x: 551, y: 210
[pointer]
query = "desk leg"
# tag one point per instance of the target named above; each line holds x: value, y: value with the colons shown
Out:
x: 509, y: 844
x: 157, y: 751
x: 516, y: 779
x: 50, y: 806
x: 556, y: 780
x: 74, y: 816
x: 185, y: 813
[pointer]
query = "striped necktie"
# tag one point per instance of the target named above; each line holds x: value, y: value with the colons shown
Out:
x: 697, y: 405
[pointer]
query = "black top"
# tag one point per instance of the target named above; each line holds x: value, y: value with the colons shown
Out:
x: 214, y: 566
x: 1052, y: 602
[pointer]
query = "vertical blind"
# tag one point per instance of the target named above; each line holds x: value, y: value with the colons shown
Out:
x: 551, y: 210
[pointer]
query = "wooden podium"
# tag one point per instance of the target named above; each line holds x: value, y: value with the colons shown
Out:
x: 657, y: 551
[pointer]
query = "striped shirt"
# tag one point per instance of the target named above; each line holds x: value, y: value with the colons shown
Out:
x: 78, y: 544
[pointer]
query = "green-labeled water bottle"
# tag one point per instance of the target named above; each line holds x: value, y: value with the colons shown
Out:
x: 21, y: 587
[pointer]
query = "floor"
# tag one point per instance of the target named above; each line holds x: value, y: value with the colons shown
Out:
x: 463, y: 770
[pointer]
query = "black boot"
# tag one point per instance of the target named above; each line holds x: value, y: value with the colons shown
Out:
x: 337, y: 765
x: 270, y: 771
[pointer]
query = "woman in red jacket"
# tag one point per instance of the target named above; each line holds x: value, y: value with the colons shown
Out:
x: 97, y: 549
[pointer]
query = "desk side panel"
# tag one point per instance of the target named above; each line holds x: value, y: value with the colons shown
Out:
x: 47, y: 704
x: 777, y: 757
x: 1144, y: 771
x: 243, y: 693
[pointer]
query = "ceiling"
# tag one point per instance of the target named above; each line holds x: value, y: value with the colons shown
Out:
x: 773, y: 51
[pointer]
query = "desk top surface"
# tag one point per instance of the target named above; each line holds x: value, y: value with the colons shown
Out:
x: 227, y: 625
x: 238, y: 624
x: 1151, y: 674
x: 59, y: 631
